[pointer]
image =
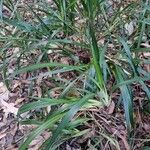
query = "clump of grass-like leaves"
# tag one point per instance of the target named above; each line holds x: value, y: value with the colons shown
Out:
x: 55, y: 27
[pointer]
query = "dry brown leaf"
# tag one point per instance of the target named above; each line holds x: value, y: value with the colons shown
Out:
x: 16, y: 84
x: 4, y: 96
x: 64, y: 60
x: 146, y: 127
x: 39, y: 91
x: 126, y: 145
x: 123, y: 138
x: 12, y: 148
x: 36, y: 143
x: 111, y: 108
x: 146, y: 54
x: 19, y: 100
x: 9, y: 107
x: 4, y: 93
x: 129, y: 28
x: 101, y: 41
x: 145, y: 45
x: 2, y: 135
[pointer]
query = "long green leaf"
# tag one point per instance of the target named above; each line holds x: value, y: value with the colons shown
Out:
x: 42, y: 102
x: 128, y: 52
x: 20, y: 24
x: 67, y: 118
x: 43, y: 65
x: 127, y: 99
x: 95, y: 54
x: 127, y: 82
x: 49, y: 123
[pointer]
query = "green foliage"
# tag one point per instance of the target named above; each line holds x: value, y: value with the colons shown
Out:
x: 50, y: 28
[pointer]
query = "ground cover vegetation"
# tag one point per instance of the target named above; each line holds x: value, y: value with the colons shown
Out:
x: 77, y: 73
